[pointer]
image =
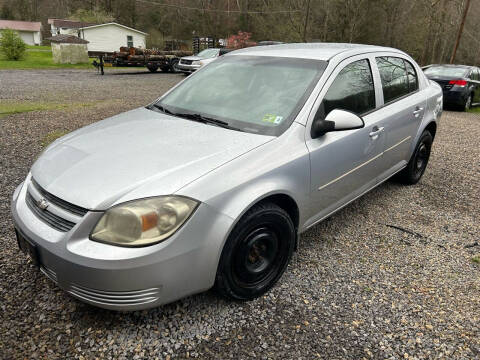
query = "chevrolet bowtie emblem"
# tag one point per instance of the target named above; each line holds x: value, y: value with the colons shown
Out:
x: 42, y: 203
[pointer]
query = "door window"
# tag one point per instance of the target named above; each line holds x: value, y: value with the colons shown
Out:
x: 352, y: 90
x: 395, y: 80
x: 412, y: 77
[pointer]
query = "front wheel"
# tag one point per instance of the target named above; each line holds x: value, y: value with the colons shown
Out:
x: 256, y: 253
x: 418, y: 162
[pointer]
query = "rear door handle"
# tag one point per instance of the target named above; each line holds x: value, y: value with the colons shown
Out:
x: 376, y: 131
x: 417, y: 111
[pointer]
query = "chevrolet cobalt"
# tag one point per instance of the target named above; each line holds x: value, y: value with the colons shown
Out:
x: 212, y: 184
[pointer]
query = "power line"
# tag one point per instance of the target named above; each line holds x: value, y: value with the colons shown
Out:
x: 218, y: 10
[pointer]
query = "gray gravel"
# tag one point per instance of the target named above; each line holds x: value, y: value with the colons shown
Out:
x: 359, y: 286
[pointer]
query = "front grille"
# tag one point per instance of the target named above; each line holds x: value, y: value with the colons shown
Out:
x: 46, y: 216
x: 77, y: 210
x: 186, y: 62
x: 116, y: 298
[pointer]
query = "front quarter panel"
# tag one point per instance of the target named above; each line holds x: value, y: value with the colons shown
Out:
x: 281, y: 166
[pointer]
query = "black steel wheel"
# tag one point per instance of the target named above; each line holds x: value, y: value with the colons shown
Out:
x: 415, y: 168
x: 256, y: 253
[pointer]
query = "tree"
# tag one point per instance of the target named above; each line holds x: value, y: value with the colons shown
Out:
x: 95, y: 16
x: 6, y: 13
x: 12, y: 45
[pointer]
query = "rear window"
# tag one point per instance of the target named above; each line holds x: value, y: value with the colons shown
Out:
x: 446, y: 71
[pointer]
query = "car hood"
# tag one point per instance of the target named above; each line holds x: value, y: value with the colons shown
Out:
x: 194, y: 58
x: 136, y: 154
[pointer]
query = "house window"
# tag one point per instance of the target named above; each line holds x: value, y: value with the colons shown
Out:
x: 129, y: 40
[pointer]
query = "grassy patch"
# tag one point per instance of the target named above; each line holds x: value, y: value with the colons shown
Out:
x: 52, y: 136
x: 17, y: 107
x: 476, y: 259
x: 475, y: 109
x: 36, y: 47
x: 8, y: 108
x: 39, y: 57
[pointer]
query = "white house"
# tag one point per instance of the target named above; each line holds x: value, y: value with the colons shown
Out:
x: 111, y: 36
x: 107, y: 37
x: 30, y: 32
x: 66, y: 27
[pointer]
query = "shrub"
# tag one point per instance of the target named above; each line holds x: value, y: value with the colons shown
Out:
x: 12, y: 45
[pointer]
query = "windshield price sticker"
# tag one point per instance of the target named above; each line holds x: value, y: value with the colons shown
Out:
x: 274, y: 119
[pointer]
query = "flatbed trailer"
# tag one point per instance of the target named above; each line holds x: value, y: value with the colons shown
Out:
x: 135, y: 57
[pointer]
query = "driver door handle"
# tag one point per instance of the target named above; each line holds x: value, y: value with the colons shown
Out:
x: 376, y: 131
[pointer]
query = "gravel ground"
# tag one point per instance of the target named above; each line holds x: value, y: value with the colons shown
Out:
x: 357, y: 288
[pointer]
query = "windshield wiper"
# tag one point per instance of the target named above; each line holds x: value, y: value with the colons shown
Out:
x: 162, y: 109
x: 195, y: 117
x: 205, y: 120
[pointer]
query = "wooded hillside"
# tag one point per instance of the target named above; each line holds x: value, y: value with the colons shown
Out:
x: 426, y: 29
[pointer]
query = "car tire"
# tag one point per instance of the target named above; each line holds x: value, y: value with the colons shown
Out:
x: 415, y: 168
x: 153, y: 68
x: 468, y: 103
x: 173, y: 66
x: 256, y: 253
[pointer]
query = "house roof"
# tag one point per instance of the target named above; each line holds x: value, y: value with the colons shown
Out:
x: 69, y: 24
x: 67, y: 39
x: 116, y: 24
x: 20, y: 25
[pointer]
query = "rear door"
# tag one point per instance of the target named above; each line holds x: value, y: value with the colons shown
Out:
x: 404, y: 105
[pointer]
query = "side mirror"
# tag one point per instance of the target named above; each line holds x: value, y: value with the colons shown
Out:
x: 336, y: 120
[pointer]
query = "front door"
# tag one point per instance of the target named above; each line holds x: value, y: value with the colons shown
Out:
x: 344, y: 164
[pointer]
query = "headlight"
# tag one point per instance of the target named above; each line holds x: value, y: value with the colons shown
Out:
x: 197, y: 62
x: 143, y: 222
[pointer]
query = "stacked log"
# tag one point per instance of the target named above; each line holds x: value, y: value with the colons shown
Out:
x: 137, y: 54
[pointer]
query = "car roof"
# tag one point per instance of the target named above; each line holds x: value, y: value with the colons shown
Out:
x: 317, y: 51
x: 453, y: 66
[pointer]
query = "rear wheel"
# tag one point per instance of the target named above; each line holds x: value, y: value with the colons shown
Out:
x: 468, y: 103
x: 256, y: 253
x: 152, y: 68
x: 418, y: 162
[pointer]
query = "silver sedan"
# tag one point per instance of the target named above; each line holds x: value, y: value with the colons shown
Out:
x: 212, y: 184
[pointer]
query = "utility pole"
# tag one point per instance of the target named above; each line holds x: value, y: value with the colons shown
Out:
x: 460, y: 31
x: 307, y: 13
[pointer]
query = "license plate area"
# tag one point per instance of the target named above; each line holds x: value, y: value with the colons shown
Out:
x: 28, y: 248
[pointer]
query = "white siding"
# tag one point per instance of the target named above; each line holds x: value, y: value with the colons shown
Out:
x: 110, y: 38
x: 27, y: 37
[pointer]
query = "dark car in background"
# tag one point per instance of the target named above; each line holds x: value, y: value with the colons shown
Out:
x: 460, y: 84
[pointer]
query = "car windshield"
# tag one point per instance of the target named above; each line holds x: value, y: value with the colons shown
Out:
x: 208, y: 53
x: 446, y: 71
x: 258, y: 94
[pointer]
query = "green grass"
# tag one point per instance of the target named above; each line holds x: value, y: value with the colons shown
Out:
x: 14, y: 107
x: 476, y: 259
x: 475, y: 109
x: 52, y: 136
x: 9, y: 107
x: 36, y: 47
x: 37, y: 57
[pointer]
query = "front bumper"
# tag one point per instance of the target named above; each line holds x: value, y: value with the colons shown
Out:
x: 187, y: 68
x: 121, y: 278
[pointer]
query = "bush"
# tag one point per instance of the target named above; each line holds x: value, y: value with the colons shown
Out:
x: 12, y: 45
